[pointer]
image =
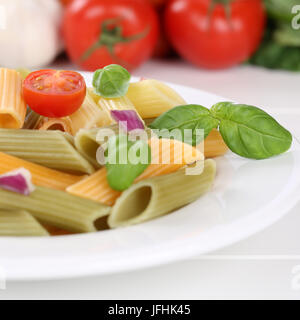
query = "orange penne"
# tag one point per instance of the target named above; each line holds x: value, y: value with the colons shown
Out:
x: 41, y: 176
x: 167, y: 156
x: 214, y: 145
x: 12, y: 104
x: 62, y: 124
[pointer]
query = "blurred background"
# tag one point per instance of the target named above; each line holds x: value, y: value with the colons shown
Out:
x: 208, y: 34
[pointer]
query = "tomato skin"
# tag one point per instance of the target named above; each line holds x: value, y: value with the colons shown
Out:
x: 215, y: 42
x: 57, y: 94
x: 82, y: 28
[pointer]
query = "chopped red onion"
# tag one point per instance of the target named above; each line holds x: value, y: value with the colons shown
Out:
x: 18, y: 181
x: 128, y: 119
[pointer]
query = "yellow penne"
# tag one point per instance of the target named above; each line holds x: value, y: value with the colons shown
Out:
x: 41, y: 176
x: 12, y: 104
x: 167, y: 156
x: 89, y: 115
x: 214, y: 145
x: 151, y: 98
x: 107, y: 105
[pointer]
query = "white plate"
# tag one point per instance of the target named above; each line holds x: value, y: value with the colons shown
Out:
x: 247, y: 197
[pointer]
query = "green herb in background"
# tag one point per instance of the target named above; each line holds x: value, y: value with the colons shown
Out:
x: 121, y: 169
x: 281, y: 10
x: 112, y: 81
x: 280, y: 48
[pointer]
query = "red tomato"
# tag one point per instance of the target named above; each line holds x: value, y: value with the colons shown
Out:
x: 215, y: 35
x: 101, y: 32
x: 54, y: 94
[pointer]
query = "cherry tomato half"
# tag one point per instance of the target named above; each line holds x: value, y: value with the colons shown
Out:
x: 53, y: 93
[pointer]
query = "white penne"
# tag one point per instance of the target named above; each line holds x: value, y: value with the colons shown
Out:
x: 12, y: 104
x: 158, y: 196
x: 151, y: 98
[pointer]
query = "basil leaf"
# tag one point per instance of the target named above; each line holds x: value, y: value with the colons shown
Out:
x: 191, y: 117
x: 126, y: 160
x: 250, y: 132
x: 112, y: 81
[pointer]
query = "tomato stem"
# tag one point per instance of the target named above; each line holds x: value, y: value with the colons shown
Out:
x: 225, y: 3
x: 111, y: 35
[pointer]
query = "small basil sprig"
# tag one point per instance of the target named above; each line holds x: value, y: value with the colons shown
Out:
x: 250, y: 131
x: 112, y: 81
x: 125, y: 161
x: 247, y: 130
x: 186, y: 117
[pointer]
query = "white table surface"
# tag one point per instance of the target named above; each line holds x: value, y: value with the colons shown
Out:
x: 262, y: 266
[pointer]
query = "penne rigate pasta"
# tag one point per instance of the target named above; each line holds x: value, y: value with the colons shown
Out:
x: 41, y: 176
x: 214, y: 145
x: 57, y: 208
x: 107, y: 105
x: 86, y: 141
x: 12, y: 104
x: 151, y: 98
x: 89, y: 115
x: 60, y: 124
x: 52, y: 149
x: 176, y: 154
x: 155, y: 197
x: 20, y: 224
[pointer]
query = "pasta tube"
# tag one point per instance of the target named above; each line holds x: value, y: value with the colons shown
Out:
x: 177, y: 154
x: 19, y: 224
x: 89, y: 115
x: 52, y: 149
x: 12, y: 104
x: 158, y: 196
x: 57, y: 208
x: 86, y: 142
x: 107, y: 105
x: 214, y: 145
x: 151, y: 98
x: 61, y: 124
x: 41, y: 176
